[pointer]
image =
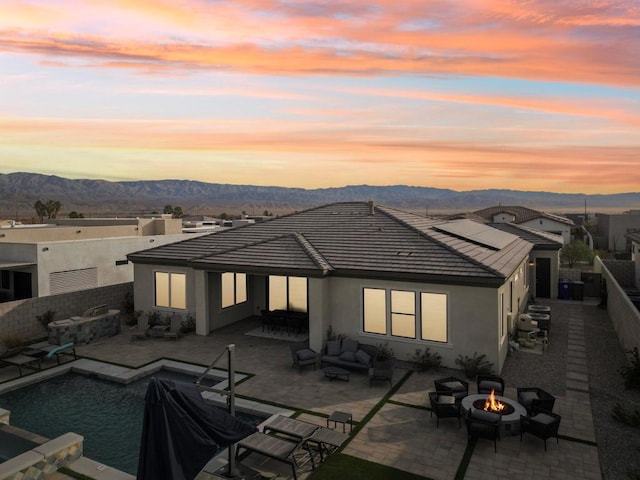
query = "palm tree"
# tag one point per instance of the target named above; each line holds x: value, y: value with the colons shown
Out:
x: 49, y: 209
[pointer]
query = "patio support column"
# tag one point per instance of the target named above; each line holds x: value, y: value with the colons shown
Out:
x: 202, y: 322
x: 318, y: 308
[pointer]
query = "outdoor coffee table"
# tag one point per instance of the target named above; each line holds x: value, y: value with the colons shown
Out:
x: 336, y: 373
x: 341, y: 417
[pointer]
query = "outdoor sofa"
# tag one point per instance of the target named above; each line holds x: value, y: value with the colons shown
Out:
x: 349, y: 354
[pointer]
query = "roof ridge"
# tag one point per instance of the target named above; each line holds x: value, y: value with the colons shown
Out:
x: 312, y: 252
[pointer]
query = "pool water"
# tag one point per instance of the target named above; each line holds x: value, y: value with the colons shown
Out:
x: 107, y: 414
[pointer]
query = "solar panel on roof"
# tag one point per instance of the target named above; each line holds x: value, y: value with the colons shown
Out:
x: 478, y: 233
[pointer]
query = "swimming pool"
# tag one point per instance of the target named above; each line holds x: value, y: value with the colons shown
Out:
x: 107, y: 414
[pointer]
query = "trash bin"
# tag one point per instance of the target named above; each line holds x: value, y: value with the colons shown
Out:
x: 577, y: 290
x: 564, y: 289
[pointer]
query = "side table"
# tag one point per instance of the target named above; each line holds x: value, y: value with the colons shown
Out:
x: 341, y: 417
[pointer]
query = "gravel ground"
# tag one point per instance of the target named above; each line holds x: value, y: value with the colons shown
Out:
x: 618, y: 444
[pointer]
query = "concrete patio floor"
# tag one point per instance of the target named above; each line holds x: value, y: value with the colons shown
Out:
x: 401, y: 433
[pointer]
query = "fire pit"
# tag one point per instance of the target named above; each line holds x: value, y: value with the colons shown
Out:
x: 491, y: 404
x: 510, y: 424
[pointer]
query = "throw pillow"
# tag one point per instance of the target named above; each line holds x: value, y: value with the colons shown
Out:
x: 349, y: 345
x: 306, y: 354
x: 333, y: 348
x: 363, y: 357
x: 348, y: 356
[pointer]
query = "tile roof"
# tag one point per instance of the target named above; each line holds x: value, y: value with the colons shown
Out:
x: 539, y: 238
x: 634, y: 236
x: 521, y: 214
x: 345, y: 239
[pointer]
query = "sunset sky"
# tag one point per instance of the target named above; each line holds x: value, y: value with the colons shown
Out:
x: 460, y: 94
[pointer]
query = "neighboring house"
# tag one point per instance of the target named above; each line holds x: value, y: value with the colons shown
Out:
x: 634, y: 238
x: 374, y: 273
x: 76, y: 254
x: 527, y: 217
x: 612, y: 230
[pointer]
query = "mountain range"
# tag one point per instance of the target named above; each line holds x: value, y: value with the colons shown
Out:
x: 19, y: 191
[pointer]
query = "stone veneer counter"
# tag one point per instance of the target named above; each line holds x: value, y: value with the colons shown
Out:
x: 80, y: 330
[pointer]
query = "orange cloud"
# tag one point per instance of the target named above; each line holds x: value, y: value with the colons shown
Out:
x: 507, y: 39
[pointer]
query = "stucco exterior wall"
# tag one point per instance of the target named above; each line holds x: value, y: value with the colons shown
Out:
x: 547, y: 225
x: 101, y: 254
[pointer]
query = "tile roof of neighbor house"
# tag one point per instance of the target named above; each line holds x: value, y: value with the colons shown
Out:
x: 633, y: 236
x: 539, y: 238
x: 348, y: 239
x: 521, y: 214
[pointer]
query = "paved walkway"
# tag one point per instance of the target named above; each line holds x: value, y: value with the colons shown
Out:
x: 397, y: 430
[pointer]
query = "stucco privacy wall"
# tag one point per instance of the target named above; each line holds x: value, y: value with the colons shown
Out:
x: 623, y: 314
x: 19, y: 317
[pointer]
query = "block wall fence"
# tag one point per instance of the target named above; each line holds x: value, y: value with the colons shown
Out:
x: 19, y: 317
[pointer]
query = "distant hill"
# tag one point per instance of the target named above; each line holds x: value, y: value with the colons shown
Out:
x: 19, y: 191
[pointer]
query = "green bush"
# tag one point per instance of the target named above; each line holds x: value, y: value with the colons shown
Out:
x: 631, y: 373
x: 424, y: 361
x: 46, y: 318
x: 474, y: 366
x: 332, y: 335
x: 154, y: 318
x: 626, y: 417
x: 385, y: 352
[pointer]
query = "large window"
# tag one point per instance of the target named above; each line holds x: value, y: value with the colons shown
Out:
x: 434, y: 316
x: 234, y: 289
x: 375, y: 310
x: 425, y: 319
x: 403, y: 314
x: 287, y: 293
x: 171, y: 290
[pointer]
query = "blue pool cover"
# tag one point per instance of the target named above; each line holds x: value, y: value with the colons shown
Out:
x: 181, y: 432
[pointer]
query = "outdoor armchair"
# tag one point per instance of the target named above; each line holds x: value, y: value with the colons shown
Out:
x: 535, y: 398
x: 481, y: 424
x: 543, y: 425
x: 382, y: 371
x: 452, y: 386
x: 302, y: 356
x: 486, y: 383
x: 445, y: 406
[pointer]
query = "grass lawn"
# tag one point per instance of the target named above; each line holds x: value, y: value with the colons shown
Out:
x: 345, y: 466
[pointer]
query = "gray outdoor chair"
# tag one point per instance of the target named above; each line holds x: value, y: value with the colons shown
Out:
x: 302, y: 356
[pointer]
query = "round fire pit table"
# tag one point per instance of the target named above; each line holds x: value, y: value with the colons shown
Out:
x: 510, y: 424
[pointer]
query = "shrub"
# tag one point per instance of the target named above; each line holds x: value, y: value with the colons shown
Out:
x: 154, y: 318
x: 12, y: 340
x: 46, y: 318
x: 385, y: 352
x: 129, y: 313
x: 474, y: 366
x: 188, y: 325
x: 332, y: 335
x: 622, y: 415
x: 631, y: 373
x: 424, y: 361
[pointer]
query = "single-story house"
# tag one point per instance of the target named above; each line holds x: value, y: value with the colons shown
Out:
x: 377, y: 274
x: 528, y: 217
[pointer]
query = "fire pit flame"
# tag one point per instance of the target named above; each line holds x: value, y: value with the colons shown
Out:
x: 493, y: 405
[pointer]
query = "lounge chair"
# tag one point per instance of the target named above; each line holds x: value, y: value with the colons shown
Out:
x: 50, y: 350
x: 452, y: 386
x: 481, y: 424
x: 486, y: 383
x: 23, y: 360
x: 141, y: 331
x: 174, y: 329
x: 274, y: 447
x: 302, y: 355
x: 445, y: 406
